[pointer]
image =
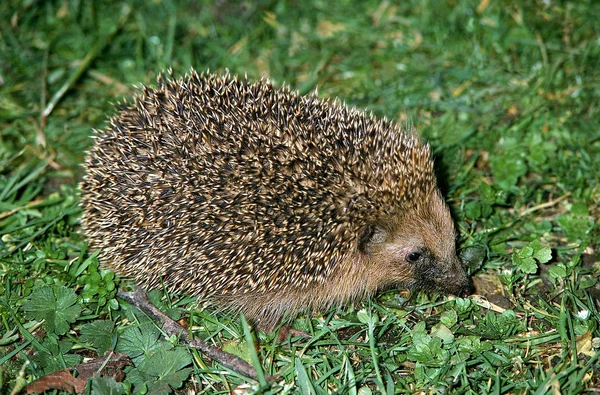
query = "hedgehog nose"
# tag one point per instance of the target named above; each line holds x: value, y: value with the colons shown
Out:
x: 465, y: 292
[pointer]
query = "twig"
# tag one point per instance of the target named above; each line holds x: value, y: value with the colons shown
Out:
x: 527, y: 212
x: 33, y: 203
x: 105, y: 79
x: 139, y: 299
x: 544, y: 205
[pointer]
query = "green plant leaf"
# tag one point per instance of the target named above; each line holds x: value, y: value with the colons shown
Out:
x: 57, y: 355
x: 170, y: 381
x: 525, y: 258
x: 526, y: 264
x: 507, y: 170
x: 57, y: 305
x: 525, y: 252
x: 558, y: 271
x: 99, y: 333
x: 449, y: 318
x: 161, y: 369
x: 303, y: 378
x: 158, y: 365
x: 138, y: 342
x: 543, y: 254
x: 161, y: 362
x: 499, y: 326
x: 425, y: 348
x: 441, y: 331
x: 105, y: 386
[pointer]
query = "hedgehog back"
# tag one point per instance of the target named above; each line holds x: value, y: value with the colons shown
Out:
x: 217, y: 186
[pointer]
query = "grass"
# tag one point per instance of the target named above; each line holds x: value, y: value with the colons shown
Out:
x: 508, y: 95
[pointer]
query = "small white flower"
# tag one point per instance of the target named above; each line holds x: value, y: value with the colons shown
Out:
x: 583, y: 314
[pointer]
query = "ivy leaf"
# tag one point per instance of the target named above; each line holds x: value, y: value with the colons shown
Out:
x: 57, y: 305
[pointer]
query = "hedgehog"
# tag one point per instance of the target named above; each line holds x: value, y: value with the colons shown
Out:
x: 262, y: 201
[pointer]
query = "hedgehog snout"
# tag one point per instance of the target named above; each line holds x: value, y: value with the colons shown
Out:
x: 455, y: 279
x: 446, y: 275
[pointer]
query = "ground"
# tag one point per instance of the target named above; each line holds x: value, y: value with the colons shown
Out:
x: 506, y: 92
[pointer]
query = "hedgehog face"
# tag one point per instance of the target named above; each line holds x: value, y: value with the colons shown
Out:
x: 418, y: 250
x: 429, y: 270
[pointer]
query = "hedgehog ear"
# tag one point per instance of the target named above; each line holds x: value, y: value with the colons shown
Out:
x: 371, y: 234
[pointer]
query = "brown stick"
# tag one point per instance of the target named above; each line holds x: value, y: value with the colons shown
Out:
x: 139, y: 299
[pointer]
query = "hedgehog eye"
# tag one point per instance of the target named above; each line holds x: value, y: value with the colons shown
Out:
x: 414, y: 256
